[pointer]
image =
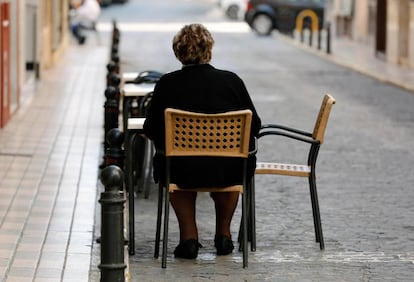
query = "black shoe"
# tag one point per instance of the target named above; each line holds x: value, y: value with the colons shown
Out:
x: 223, y: 244
x: 82, y: 40
x: 187, y: 249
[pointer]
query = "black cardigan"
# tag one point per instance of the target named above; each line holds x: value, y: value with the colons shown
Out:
x: 205, y: 89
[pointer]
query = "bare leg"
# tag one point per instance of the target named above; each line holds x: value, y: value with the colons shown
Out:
x: 225, y: 205
x: 183, y: 204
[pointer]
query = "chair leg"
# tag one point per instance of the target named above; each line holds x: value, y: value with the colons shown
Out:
x: 139, y: 163
x: 315, y: 210
x: 144, y: 167
x: 131, y: 205
x: 148, y: 172
x: 244, y: 236
x: 252, y: 224
x: 240, y: 234
x: 251, y: 219
x: 159, y: 218
x: 166, y: 219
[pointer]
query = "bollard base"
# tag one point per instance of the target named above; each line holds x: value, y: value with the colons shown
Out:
x: 112, y: 272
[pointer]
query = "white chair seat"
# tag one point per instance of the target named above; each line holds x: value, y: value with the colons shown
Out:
x: 283, y: 169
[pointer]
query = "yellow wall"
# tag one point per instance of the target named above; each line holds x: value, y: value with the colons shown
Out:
x: 49, y: 55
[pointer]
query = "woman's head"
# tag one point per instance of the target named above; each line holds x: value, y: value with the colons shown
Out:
x: 193, y: 44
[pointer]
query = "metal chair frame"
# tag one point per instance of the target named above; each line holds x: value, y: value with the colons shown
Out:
x: 143, y: 152
x: 315, y: 139
x: 181, y: 129
x: 138, y: 166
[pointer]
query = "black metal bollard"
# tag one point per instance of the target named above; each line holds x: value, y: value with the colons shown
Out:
x: 114, y: 154
x: 113, y: 68
x: 328, y: 38
x: 112, y: 76
x: 319, y: 38
x: 115, y: 33
x: 111, y: 108
x: 310, y: 37
x: 112, y: 201
x: 115, y: 37
x: 114, y: 55
x: 113, y: 79
x: 111, y: 115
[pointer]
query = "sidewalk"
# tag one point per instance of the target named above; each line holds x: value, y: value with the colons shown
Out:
x: 49, y: 157
x: 361, y: 58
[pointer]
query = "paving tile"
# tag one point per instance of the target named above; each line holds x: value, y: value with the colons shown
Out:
x: 7, y: 240
x: 21, y: 272
x: 12, y: 225
x: 18, y: 278
x: 53, y: 259
x: 4, y: 261
x: 55, y: 247
x: 77, y: 267
x: 6, y: 253
x: 47, y: 272
x: 10, y: 184
x: 16, y: 215
x: 45, y: 279
x: 26, y: 262
x: 29, y: 247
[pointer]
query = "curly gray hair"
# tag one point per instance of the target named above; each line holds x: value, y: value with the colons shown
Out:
x: 193, y: 44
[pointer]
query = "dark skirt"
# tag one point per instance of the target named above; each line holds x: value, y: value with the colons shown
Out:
x: 191, y: 172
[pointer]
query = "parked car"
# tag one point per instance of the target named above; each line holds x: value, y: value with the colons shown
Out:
x: 263, y: 16
x: 234, y: 9
x: 105, y: 3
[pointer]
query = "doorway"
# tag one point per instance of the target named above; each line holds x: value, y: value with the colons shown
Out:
x: 381, y: 31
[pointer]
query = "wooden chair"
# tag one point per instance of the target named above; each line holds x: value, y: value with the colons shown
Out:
x: 315, y: 139
x: 188, y: 134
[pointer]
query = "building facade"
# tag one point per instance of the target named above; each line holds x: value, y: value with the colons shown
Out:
x: 34, y: 34
x: 386, y: 25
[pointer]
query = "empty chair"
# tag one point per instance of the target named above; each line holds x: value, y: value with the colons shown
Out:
x: 307, y: 169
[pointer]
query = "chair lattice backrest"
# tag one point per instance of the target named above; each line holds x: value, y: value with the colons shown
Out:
x: 198, y: 134
x: 323, y: 116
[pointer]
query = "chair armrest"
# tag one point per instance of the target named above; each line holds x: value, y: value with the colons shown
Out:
x: 159, y: 152
x: 289, y: 135
x: 286, y: 128
x: 254, y: 151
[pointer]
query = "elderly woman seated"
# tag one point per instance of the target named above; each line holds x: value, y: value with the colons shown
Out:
x: 199, y: 87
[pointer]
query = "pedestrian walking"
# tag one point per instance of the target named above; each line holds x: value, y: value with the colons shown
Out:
x: 85, y: 15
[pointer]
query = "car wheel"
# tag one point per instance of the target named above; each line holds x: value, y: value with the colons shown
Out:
x: 233, y: 12
x: 262, y: 24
